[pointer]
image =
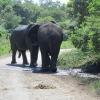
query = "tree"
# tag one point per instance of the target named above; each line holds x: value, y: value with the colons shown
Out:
x: 28, y: 11
x: 45, y: 19
x: 8, y: 18
x: 87, y: 37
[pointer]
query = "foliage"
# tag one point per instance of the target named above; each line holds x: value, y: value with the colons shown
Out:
x: 45, y: 19
x: 14, y: 12
x: 2, y: 31
x: 4, y: 42
x: 65, y: 26
x: 66, y: 45
x: 75, y: 58
x: 87, y: 36
x: 80, y: 37
x: 95, y: 86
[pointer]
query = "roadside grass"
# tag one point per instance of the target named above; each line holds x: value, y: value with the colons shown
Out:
x: 74, y: 58
x: 95, y: 86
x: 4, y: 46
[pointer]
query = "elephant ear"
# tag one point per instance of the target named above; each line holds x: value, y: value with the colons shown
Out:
x: 27, y: 30
x: 32, y: 33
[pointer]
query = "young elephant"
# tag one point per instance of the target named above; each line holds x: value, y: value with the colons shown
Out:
x: 22, y: 39
x: 50, y: 37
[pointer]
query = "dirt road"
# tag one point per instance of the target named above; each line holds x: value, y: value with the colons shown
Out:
x: 20, y: 83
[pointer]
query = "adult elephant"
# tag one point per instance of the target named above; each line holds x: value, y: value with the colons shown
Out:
x: 24, y: 38
x: 50, y: 37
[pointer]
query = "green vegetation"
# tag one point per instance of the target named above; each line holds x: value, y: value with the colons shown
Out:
x: 95, y: 86
x: 4, y: 46
x: 74, y: 58
x: 4, y: 41
x: 66, y: 45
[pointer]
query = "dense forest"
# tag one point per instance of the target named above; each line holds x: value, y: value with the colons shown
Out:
x: 79, y: 20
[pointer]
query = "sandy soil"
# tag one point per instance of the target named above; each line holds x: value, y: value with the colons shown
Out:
x: 18, y: 82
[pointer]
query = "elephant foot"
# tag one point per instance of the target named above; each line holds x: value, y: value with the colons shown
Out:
x: 44, y: 70
x: 41, y: 70
x: 13, y: 62
x: 33, y: 65
x: 26, y: 63
x: 53, y: 70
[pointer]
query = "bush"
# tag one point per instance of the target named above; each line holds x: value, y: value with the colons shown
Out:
x: 4, y: 41
x: 80, y: 38
x: 4, y: 46
x: 74, y: 58
x: 95, y: 86
x: 66, y: 45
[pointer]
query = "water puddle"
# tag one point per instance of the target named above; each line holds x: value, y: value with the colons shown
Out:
x: 75, y: 72
x: 69, y: 71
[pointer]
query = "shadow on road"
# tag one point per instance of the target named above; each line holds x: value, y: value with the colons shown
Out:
x: 27, y: 68
x: 18, y: 65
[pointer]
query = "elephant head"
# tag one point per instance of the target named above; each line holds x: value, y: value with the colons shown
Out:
x: 32, y: 33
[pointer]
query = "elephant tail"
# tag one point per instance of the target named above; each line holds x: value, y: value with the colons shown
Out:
x: 19, y: 55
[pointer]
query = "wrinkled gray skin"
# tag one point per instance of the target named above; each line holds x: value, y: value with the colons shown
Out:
x: 22, y: 39
x: 50, y: 37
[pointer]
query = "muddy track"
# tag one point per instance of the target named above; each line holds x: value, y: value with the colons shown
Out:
x: 18, y: 82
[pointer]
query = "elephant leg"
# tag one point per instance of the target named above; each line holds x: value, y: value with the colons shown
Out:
x: 13, y: 57
x: 33, y: 56
x: 45, y: 60
x: 24, y: 57
x: 14, y: 49
x: 54, y: 56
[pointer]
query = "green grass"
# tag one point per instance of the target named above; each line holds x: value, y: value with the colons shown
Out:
x: 66, y: 45
x: 74, y: 58
x: 95, y: 86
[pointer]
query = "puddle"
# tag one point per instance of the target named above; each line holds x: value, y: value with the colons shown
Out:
x: 70, y: 71
x: 75, y: 72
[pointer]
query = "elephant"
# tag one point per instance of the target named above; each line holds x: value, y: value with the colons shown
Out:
x: 50, y: 37
x: 25, y: 38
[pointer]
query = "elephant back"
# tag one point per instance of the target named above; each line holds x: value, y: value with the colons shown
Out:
x: 51, y: 31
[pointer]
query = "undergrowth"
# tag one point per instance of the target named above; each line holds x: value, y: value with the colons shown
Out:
x: 95, y: 86
x: 4, y: 46
x: 66, y: 45
x: 75, y: 58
